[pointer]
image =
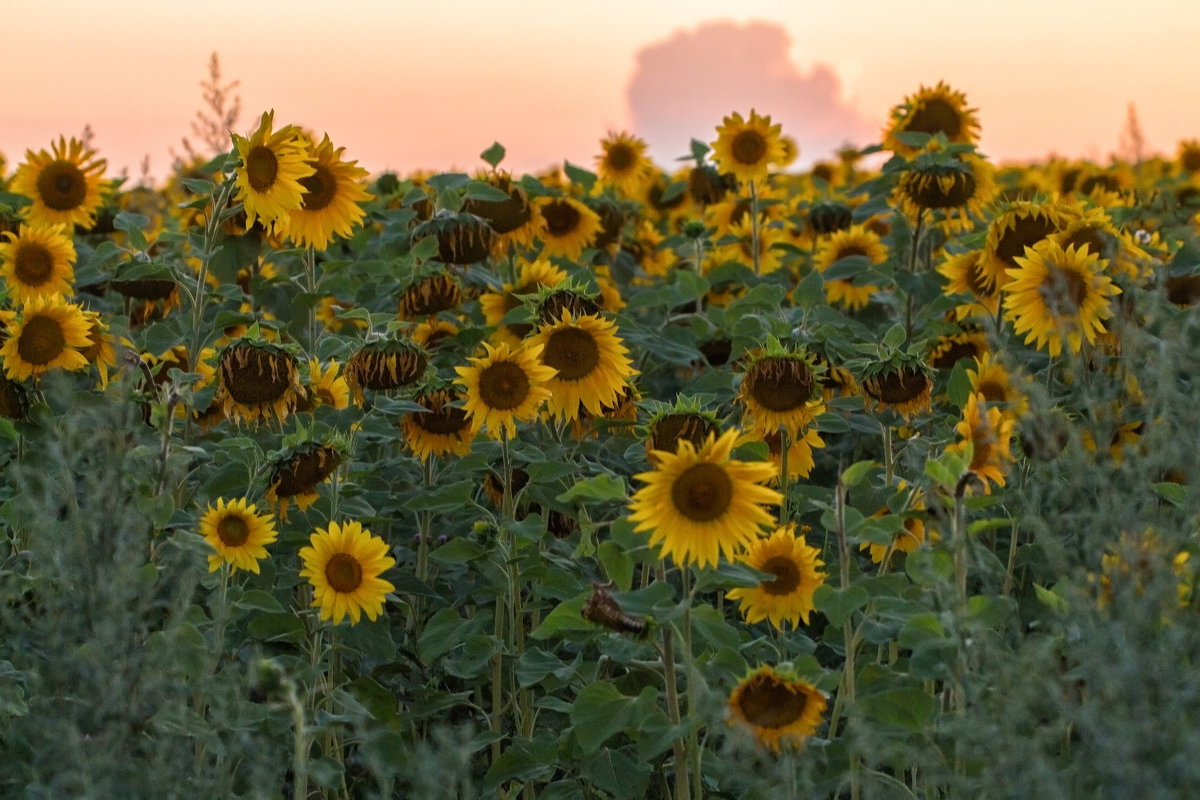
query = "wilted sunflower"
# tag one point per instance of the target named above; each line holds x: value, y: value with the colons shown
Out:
x: 65, y: 185
x: 512, y: 218
x: 297, y: 474
x: 746, y: 149
x: 779, y: 389
x: 903, y: 385
x: 49, y: 333
x: 1014, y: 227
x: 1056, y: 295
x: 330, y: 204
x: 623, y: 164
x: 965, y: 274
x: 503, y: 387
x: 778, y: 710
x: 38, y: 261
x: 462, y: 238
x: 700, y: 503
x: 797, y: 570
x: 530, y: 276
x: 670, y: 425
x: 988, y: 431
x: 343, y: 563
x: 442, y: 429
x: 932, y: 111
x: 385, y: 364
x: 430, y: 295
x: 268, y: 179
x: 591, y: 362
x: 568, y: 226
x: 857, y: 241
x: 238, y: 534
x: 950, y: 348
x: 954, y: 185
x: 257, y: 380
x: 14, y: 400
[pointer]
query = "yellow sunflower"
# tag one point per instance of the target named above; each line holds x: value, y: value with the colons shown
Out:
x: 932, y: 111
x: 65, y: 185
x: 797, y: 570
x: 592, y: 364
x: 779, y: 711
x: 442, y: 429
x: 965, y: 274
x: 530, y: 276
x: 504, y: 386
x: 904, y: 387
x: 746, y: 149
x: 257, y: 380
x: 949, y: 349
x: 800, y: 451
x: 956, y: 187
x: 101, y: 351
x: 988, y: 431
x: 330, y: 204
x: 1013, y: 227
x: 238, y: 534
x: 343, y: 563
x: 297, y: 474
x: 700, y: 503
x: 990, y: 379
x: 431, y: 333
x: 854, y: 241
x: 567, y: 226
x: 914, y: 533
x: 38, y: 261
x: 623, y: 164
x: 325, y: 386
x: 50, y: 333
x: 780, y: 389
x: 1056, y: 295
x: 767, y: 259
x: 268, y: 177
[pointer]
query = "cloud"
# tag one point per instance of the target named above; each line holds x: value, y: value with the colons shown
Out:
x: 684, y: 86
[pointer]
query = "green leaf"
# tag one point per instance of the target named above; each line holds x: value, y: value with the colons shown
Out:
x: 585, y: 178
x: 958, y: 389
x: 845, y: 269
x: 895, y: 336
x: 600, y: 487
x: 566, y: 616
x: 928, y: 566
x: 494, y: 154
x: 618, y: 565
x: 1051, y: 599
x: 258, y: 600
x: 458, y: 551
x: 284, y: 627
x: 133, y: 226
x: 536, y: 664
x: 838, y: 604
x: 856, y: 472
x: 444, y: 631
x: 1173, y: 493
x: 599, y: 712
x: 450, y: 497
x: 810, y: 290
x: 909, y: 707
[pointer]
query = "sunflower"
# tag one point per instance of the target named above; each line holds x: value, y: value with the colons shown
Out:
x: 14, y: 400
x: 461, y: 238
x: 951, y: 348
x: 965, y: 274
x: 330, y: 203
x: 797, y: 570
x: 777, y: 710
x: 741, y: 249
x: 238, y: 534
x: 800, y: 451
x: 65, y: 185
x: 268, y: 177
x: 1015, y: 226
x: 385, y: 364
x: 591, y: 361
x: 296, y: 474
x: 512, y: 219
x: 623, y: 164
x: 327, y: 311
x: 1189, y: 155
x: 779, y: 389
x: 504, y: 386
x: 257, y: 380
x: 38, y: 260
x: 101, y: 351
x: 857, y: 241
x: 567, y: 226
x: 432, y: 333
x: 956, y: 186
x: 914, y: 532
x: 50, y: 334
x: 905, y: 387
x: 932, y: 111
x: 442, y: 429
x: 747, y: 148
x: 700, y: 503
x: 429, y: 296
x: 1058, y: 295
x: 671, y: 425
x: 987, y: 431
x: 530, y: 276
x: 990, y: 379
x: 325, y: 387
x: 343, y: 563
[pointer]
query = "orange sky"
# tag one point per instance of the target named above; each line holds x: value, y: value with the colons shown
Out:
x: 405, y: 85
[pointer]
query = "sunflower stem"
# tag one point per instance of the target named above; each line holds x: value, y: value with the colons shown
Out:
x: 787, y: 767
x: 425, y: 522
x: 1010, y: 567
x: 693, y: 743
x: 889, y: 457
x: 846, y: 694
x: 912, y: 269
x: 682, y: 785
x: 754, y: 226
x: 785, y: 513
x: 310, y: 275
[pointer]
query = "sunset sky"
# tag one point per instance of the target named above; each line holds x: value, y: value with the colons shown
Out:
x: 406, y: 85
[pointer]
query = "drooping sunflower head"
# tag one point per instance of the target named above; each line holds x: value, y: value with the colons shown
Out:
x: 430, y: 295
x: 38, y: 260
x: 796, y: 570
x: 14, y: 400
x: 65, y: 185
x: 778, y: 709
x: 681, y: 421
x: 503, y: 216
x: 623, y: 163
x: 257, y: 380
x: 330, y: 205
x: 343, y: 563
x: 1189, y: 155
x: 931, y: 111
x: 780, y: 388
x: 829, y: 216
x: 699, y: 504
x: 901, y: 383
x: 150, y: 288
x: 271, y: 166
x: 504, y: 386
x: 591, y: 364
x: 296, y: 474
x: 238, y: 533
x: 747, y: 148
x: 568, y: 297
x: 954, y: 184
x: 706, y: 186
x: 49, y: 333
x: 567, y: 226
x: 385, y: 364
x: 442, y: 429
x: 531, y: 275
x: 462, y: 238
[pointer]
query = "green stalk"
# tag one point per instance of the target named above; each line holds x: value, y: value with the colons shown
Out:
x: 310, y: 274
x: 912, y: 268
x: 682, y: 785
x: 754, y: 226
x: 694, y: 752
x: 851, y: 642
x: 785, y: 513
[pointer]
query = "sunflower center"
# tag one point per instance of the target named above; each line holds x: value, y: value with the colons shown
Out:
x: 667, y: 431
x: 573, y: 352
x: 503, y: 385
x: 41, y: 341
x: 620, y: 157
x: 319, y: 189
x: 703, y: 492
x: 254, y: 376
x: 304, y: 471
x: 978, y: 280
x: 942, y: 191
x: 1026, y: 231
x: 261, y: 168
x: 748, y: 147
x: 900, y: 386
x: 233, y: 531
x: 343, y: 572
x: 561, y: 218
x: 34, y: 264
x: 445, y: 421
x: 1087, y: 237
x: 851, y: 250
x: 936, y: 115
x: 62, y: 185
x: 992, y: 391
x: 766, y: 702
x: 780, y: 384
x: 787, y: 575
x: 1063, y: 291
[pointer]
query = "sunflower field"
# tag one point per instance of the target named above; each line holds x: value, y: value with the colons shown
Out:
x: 733, y: 480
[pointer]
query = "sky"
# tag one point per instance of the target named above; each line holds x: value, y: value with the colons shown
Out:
x: 406, y: 85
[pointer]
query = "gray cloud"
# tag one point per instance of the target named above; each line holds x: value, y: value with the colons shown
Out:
x: 682, y: 88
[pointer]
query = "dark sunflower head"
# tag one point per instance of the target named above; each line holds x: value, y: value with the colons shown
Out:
x: 503, y: 216
x: 429, y: 296
x: 256, y: 373
x: 462, y: 238
x: 385, y: 364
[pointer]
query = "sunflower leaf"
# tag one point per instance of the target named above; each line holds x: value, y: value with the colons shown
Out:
x: 599, y: 487
x: 494, y: 154
x: 838, y: 604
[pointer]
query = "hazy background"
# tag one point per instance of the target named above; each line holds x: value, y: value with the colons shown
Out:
x: 407, y: 85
